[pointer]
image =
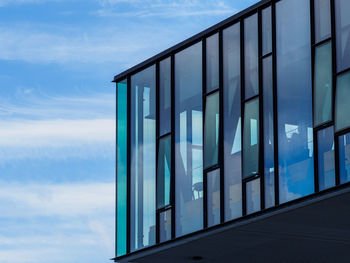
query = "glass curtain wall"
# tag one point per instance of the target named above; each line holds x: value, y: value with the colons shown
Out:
x: 342, y: 21
x: 188, y: 140
x: 143, y: 159
x: 294, y: 99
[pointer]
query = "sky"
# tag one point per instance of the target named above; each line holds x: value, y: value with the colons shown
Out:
x: 57, y: 114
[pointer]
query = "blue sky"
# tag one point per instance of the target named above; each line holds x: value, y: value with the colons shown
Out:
x: 57, y: 114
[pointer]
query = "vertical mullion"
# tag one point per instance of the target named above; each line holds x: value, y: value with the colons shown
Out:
x: 116, y: 174
x: 244, y: 205
x: 157, y: 149
x: 275, y: 119
x: 172, y: 178
x: 261, y: 116
x: 128, y: 125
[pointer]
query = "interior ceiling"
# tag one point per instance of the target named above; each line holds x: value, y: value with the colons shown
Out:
x: 314, y: 231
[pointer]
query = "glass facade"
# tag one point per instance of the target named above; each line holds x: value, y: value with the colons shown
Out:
x: 245, y: 117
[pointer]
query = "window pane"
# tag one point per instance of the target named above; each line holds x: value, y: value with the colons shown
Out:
x: 212, y: 62
x: 211, y: 130
x: 253, y: 196
x: 164, y: 172
x: 294, y: 99
x: 269, y: 168
x: 165, y: 226
x: 165, y: 96
x: 342, y: 18
x: 232, y: 122
x: 322, y: 20
x: 143, y: 159
x: 323, y: 84
x: 344, y: 158
x: 326, y: 170
x: 188, y: 140
x: 266, y: 31
x: 213, y: 191
x: 342, y: 109
x: 121, y: 166
x: 251, y: 56
x: 251, y: 138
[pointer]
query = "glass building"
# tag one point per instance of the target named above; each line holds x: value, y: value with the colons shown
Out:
x: 246, y: 121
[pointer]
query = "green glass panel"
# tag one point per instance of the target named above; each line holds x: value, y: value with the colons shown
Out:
x: 251, y: 138
x: 121, y: 166
x: 164, y: 168
x: 211, y: 130
x: 323, y: 84
x: 342, y: 109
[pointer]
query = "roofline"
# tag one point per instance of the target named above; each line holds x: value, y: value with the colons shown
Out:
x: 196, y: 38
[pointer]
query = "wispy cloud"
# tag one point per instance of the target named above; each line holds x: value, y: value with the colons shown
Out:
x: 21, y: 2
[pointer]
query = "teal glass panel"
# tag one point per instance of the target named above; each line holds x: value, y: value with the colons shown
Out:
x: 211, y: 130
x: 342, y: 22
x: 323, y: 84
x: 251, y: 56
x: 165, y: 225
x: 322, y: 20
x: 326, y: 168
x: 188, y: 140
x: 269, y: 167
x: 251, y: 138
x: 253, y: 196
x: 232, y: 121
x: 143, y: 159
x: 266, y: 28
x: 165, y: 96
x: 212, y: 62
x: 344, y: 158
x: 213, y: 196
x: 164, y: 172
x: 122, y: 135
x: 342, y: 108
x: 294, y: 99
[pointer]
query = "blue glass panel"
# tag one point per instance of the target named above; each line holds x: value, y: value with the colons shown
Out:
x: 266, y: 28
x: 232, y: 122
x: 344, y: 158
x: 253, y: 196
x: 251, y: 56
x: 269, y: 168
x: 213, y: 192
x: 342, y: 109
x: 212, y: 56
x: 165, y: 226
x: 165, y: 96
x: 164, y: 172
x: 121, y: 166
x: 143, y: 159
x: 188, y: 140
x: 342, y: 21
x: 322, y: 20
x: 326, y: 170
x: 294, y: 99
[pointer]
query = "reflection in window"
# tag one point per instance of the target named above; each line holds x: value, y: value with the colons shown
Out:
x: 269, y: 170
x: 323, y: 84
x: 143, y: 159
x: 212, y: 56
x: 188, y: 140
x: 213, y: 191
x: 164, y: 168
x: 344, y: 158
x: 121, y: 166
x: 322, y: 20
x: 211, y: 130
x: 251, y: 138
x: 165, y: 226
x: 326, y: 170
x: 165, y: 96
x: 251, y: 56
x: 266, y: 31
x: 253, y: 196
x: 342, y: 109
x: 294, y: 98
x: 342, y: 10
x: 232, y: 122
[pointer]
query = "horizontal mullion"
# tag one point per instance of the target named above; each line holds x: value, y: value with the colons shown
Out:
x: 324, y: 125
x: 252, y: 98
x: 164, y: 135
x: 251, y: 178
x: 164, y: 208
x: 211, y: 92
x: 320, y: 43
x: 266, y: 55
x: 211, y: 168
x: 342, y: 72
x: 342, y: 132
